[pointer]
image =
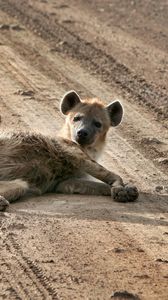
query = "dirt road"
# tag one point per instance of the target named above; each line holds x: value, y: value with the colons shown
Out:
x: 80, y: 247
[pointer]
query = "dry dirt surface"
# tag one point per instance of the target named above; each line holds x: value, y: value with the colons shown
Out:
x: 80, y: 247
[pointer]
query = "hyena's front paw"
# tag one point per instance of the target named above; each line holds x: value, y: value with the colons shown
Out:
x: 3, y: 203
x: 127, y: 193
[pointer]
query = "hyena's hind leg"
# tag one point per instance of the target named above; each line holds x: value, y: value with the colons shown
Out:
x: 11, y: 191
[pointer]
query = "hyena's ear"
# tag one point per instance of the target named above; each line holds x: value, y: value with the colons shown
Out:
x: 115, y: 111
x: 69, y: 101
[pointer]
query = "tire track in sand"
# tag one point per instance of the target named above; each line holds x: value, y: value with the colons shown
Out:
x: 30, y: 280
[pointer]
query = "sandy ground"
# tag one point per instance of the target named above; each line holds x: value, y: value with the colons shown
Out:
x: 80, y: 247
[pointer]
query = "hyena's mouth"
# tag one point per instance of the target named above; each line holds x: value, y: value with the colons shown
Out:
x: 83, y: 141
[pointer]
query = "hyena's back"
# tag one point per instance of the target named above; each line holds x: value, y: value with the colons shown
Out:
x: 38, y: 160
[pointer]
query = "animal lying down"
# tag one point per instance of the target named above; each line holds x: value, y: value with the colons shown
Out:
x: 33, y: 162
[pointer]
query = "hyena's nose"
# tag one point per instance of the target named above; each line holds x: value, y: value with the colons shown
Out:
x: 82, y: 133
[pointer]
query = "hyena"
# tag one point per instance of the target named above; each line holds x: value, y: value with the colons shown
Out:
x: 34, y: 162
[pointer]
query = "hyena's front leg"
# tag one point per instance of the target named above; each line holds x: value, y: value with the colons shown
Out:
x: 83, y: 187
x: 119, y: 191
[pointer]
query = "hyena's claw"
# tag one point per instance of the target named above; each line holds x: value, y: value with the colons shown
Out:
x: 3, y: 203
x: 127, y: 193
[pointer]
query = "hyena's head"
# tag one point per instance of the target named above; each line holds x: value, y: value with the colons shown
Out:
x: 88, y: 121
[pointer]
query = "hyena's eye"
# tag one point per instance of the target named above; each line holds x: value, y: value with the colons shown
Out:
x: 77, y: 118
x: 98, y: 124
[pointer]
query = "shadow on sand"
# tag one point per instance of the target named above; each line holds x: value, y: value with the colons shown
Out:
x: 149, y: 209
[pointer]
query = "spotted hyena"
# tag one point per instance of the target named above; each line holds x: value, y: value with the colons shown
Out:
x: 34, y: 162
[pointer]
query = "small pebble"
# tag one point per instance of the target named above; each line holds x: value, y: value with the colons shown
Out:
x: 16, y: 27
x: 151, y: 140
x: 124, y: 295
x: 159, y: 188
x: 4, y: 26
x: 26, y: 93
x: 162, y: 260
x: 162, y: 160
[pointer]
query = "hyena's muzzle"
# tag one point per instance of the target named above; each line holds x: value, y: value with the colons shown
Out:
x: 85, y: 133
